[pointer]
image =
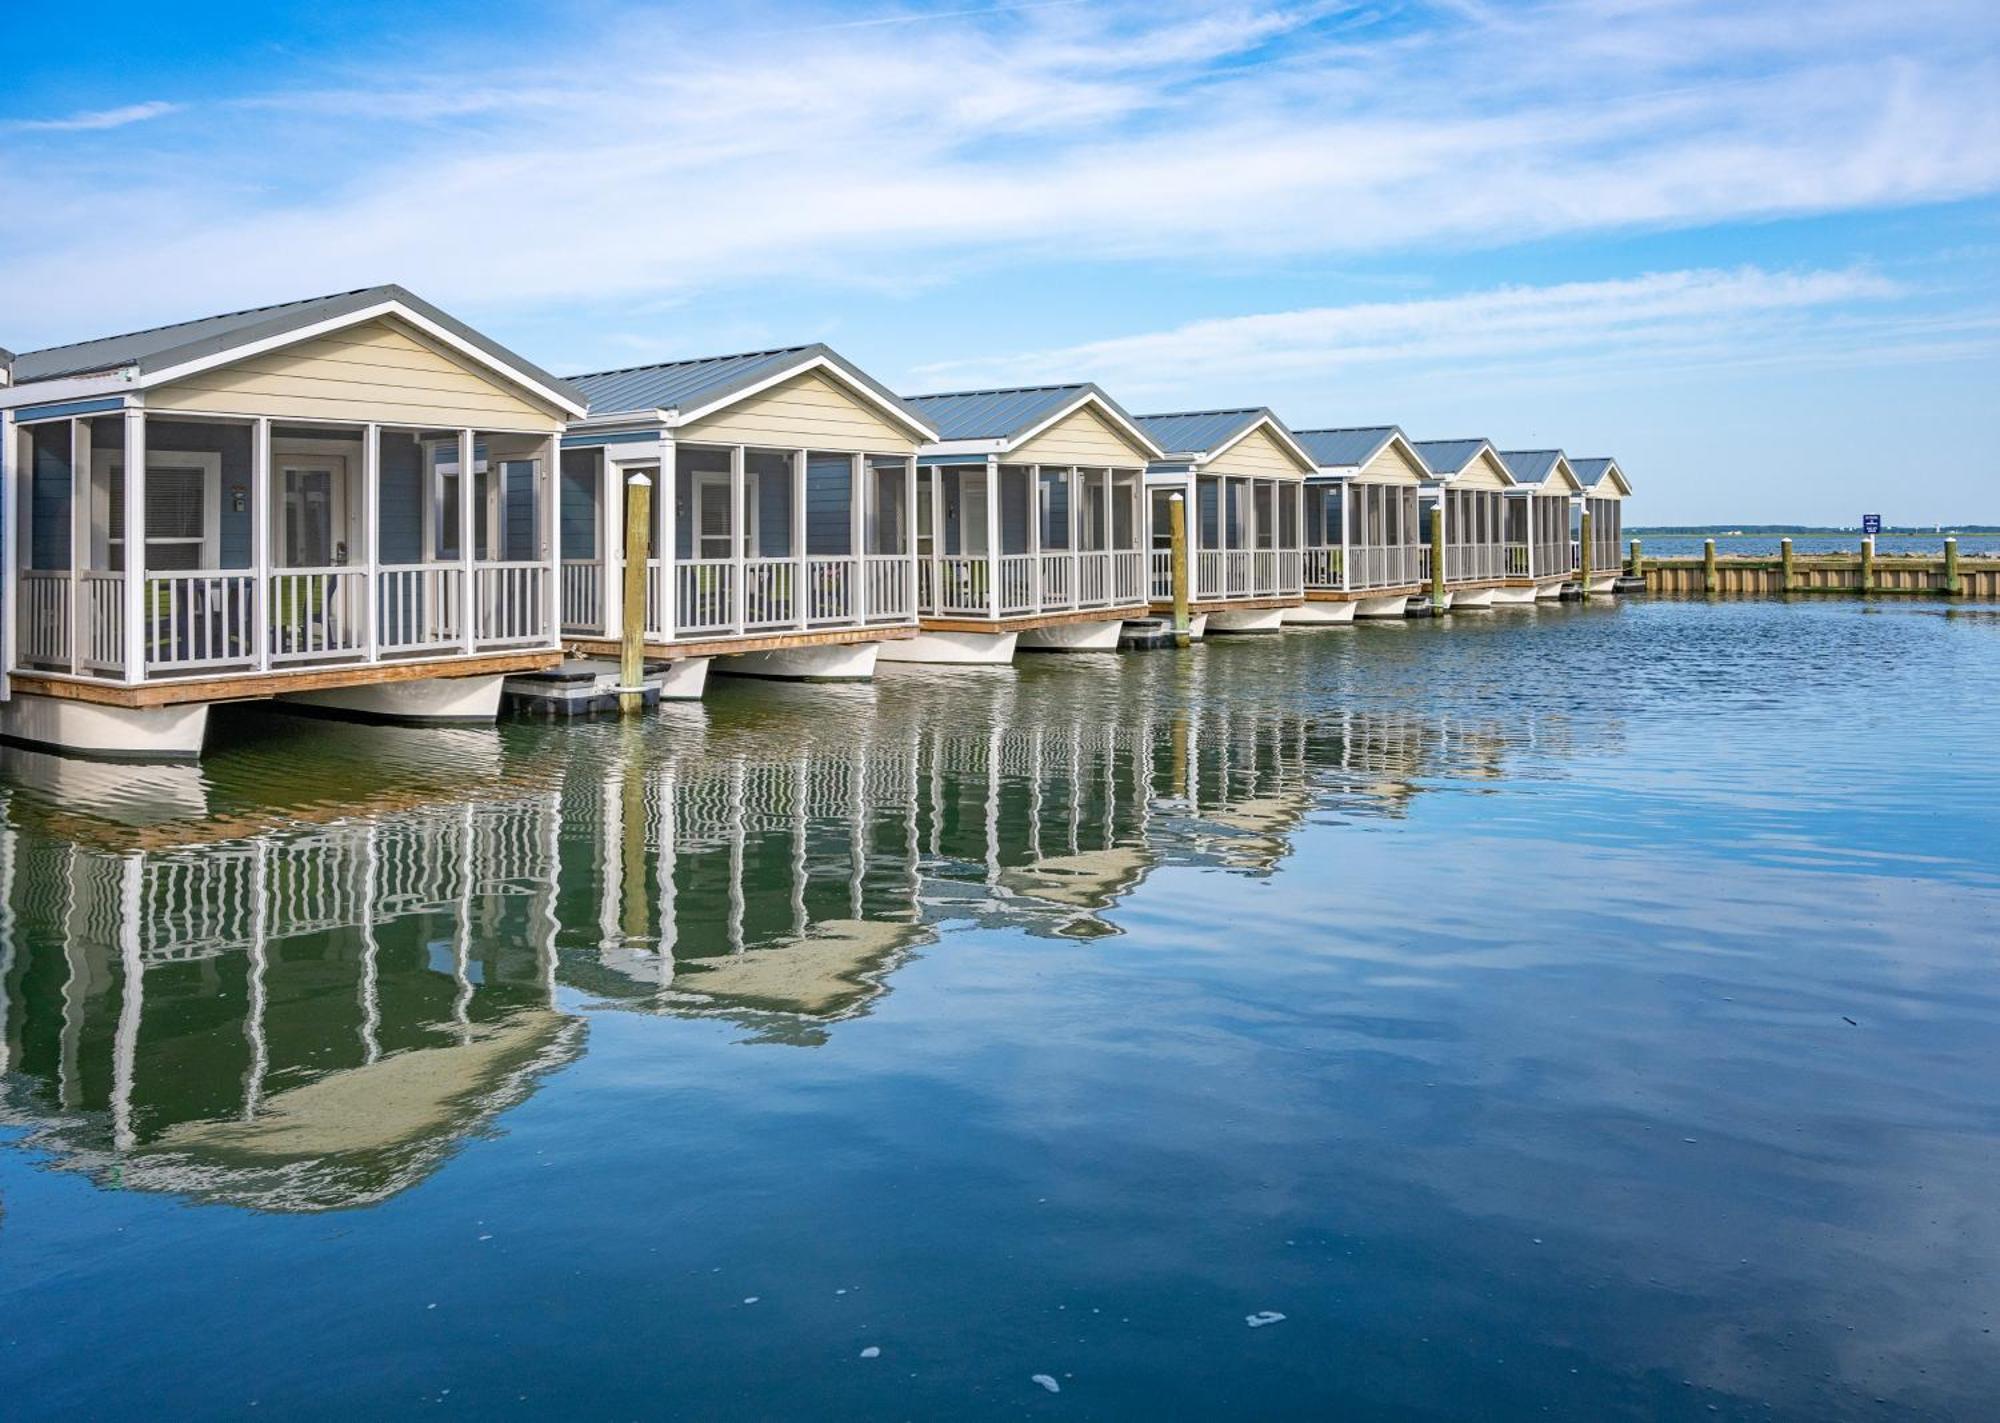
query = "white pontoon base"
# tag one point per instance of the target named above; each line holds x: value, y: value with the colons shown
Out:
x: 1073, y: 637
x: 77, y: 728
x: 1393, y: 605
x: 959, y: 649
x: 1242, y: 620
x: 1514, y: 595
x: 1603, y: 583
x: 1473, y: 597
x: 446, y: 700
x: 1320, y: 614
x: 834, y: 662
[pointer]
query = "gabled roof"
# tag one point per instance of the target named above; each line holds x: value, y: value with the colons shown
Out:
x: 161, y: 352
x: 1200, y: 435
x: 1347, y: 448
x: 1590, y: 472
x: 692, y: 388
x: 1535, y: 468
x: 1011, y: 416
x: 1446, y: 458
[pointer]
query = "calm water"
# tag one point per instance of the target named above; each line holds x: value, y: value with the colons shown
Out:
x: 1758, y: 546
x: 1577, y: 1012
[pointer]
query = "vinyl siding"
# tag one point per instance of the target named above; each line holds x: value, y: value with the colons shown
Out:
x: 1483, y: 473
x: 1083, y: 437
x: 1392, y: 465
x: 378, y: 371
x: 809, y: 411
x: 829, y: 487
x: 1257, y: 454
x: 580, y: 489
x: 400, y: 530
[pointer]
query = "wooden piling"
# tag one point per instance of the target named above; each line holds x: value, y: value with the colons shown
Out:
x: 1638, y: 562
x: 1785, y: 581
x: 1952, y: 587
x: 1583, y: 557
x: 1437, y: 558
x: 1868, y: 565
x: 1708, y: 579
x: 1177, y: 530
x: 638, y: 549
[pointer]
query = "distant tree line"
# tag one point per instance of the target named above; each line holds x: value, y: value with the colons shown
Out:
x: 1765, y: 530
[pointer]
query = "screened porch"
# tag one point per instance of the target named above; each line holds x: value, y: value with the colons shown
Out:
x: 1475, y: 543
x: 999, y: 541
x: 764, y: 541
x: 1538, y: 541
x: 1364, y: 536
x: 1243, y: 538
x: 264, y: 544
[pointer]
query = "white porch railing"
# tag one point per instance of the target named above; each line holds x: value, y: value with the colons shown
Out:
x: 44, y: 616
x: 885, y: 588
x: 1017, y: 584
x: 1322, y: 567
x: 315, y: 613
x: 205, y: 618
x: 510, y: 603
x: 1162, y: 577
x: 1554, y: 558
x: 704, y: 597
x: 1128, y: 578
x: 583, y: 595
x: 1472, y: 563
x: 768, y: 596
x: 1291, y: 572
x: 103, y: 597
x: 1210, y: 575
x: 954, y: 585
x: 420, y: 607
x: 1093, y: 579
x: 1058, y: 581
x: 831, y: 588
x: 1516, y: 563
x: 1385, y: 565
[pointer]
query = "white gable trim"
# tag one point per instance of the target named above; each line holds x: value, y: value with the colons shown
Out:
x: 366, y: 314
x: 895, y: 410
x: 1278, y: 433
x: 1090, y: 397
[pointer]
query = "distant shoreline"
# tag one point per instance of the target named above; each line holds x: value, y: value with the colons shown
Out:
x: 1766, y: 531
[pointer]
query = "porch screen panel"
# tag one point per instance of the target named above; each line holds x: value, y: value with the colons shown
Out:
x: 230, y: 444
x: 399, y: 527
x: 767, y: 503
x: 1163, y: 529
x: 829, y: 505
x: 581, y: 486
x: 1208, y: 493
x: 1015, y: 493
x: 1122, y: 533
x: 49, y: 495
x: 887, y: 530
x: 519, y: 507
x: 697, y: 472
x: 1263, y: 522
x: 1054, y: 504
x: 1288, y: 518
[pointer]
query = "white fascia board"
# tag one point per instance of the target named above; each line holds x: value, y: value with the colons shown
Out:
x: 981, y: 448
x: 58, y: 392
x: 1277, y: 433
x: 1144, y: 441
x: 895, y: 410
x: 356, y: 318
x: 616, y: 419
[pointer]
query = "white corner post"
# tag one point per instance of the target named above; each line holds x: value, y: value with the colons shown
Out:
x: 371, y: 540
x: 81, y: 509
x: 260, y: 541
x: 1035, y: 511
x: 468, y: 590
x: 801, y: 465
x: 610, y: 534
x: 909, y: 546
x: 994, y: 543
x: 738, y: 528
x: 666, y: 517
x: 549, y: 509
x: 857, y: 479
x: 11, y: 552
x: 135, y: 547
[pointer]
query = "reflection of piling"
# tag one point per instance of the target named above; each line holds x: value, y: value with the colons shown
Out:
x: 632, y: 648
x: 1177, y: 529
x: 631, y: 791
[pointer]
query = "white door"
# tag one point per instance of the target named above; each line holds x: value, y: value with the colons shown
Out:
x: 312, y: 514
x: 711, y: 516
x: 972, y: 514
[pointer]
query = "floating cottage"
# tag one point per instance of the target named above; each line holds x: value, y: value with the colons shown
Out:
x: 1468, y: 490
x: 1242, y: 475
x: 1031, y: 523
x: 1365, y: 550
x: 345, y: 502
x: 1605, y: 490
x: 1539, y: 556
x: 780, y: 525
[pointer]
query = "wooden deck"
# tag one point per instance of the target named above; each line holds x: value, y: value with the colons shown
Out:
x: 1027, y: 622
x: 682, y: 649
x: 253, y: 686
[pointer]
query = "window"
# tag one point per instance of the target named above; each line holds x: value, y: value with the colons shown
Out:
x: 183, y: 494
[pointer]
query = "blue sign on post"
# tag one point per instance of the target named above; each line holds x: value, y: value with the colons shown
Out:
x: 1871, y: 524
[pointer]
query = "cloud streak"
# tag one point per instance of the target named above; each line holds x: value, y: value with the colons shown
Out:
x: 96, y: 120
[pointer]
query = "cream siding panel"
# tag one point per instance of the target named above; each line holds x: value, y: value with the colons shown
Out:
x: 809, y: 411
x: 1392, y: 466
x: 1484, y: 473
x: 1257, y: 453
x: 372, y: 372
x: 1083, y: 437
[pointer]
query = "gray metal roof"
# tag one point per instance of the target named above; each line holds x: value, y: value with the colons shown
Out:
x: 1590, y: 471
x: 1531, y: 466
x: 1346, y: 449
x: 163, y: 347
x: 1447, y: 457
x: 703, y: 381
x: 1196, y: 432
x: 1001, y: 414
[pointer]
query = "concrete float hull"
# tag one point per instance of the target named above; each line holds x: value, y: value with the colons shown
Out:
x: 839, y: 662
x: 1073, y: 637
x: 1395, y: 606
x: 1319, y: 615
x: 955, y: 649
x: 1608, y: 583
x: 1246, y: 620
x: 171, y: 733
x: 1513, y: 597
x: 1549, y: 592
x: 1473, y: 597
x: 451, y: 701
x: 685, y: 680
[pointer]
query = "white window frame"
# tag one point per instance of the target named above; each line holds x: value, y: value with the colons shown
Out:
x: 104, y: 460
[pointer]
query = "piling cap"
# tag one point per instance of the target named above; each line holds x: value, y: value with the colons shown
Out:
x: 632, y: 479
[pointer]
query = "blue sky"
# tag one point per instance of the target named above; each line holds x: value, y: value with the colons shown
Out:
x: 1751, y: 249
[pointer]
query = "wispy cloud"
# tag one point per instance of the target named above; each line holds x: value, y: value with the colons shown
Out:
x: 1016, y: 135
x: 96, y: 119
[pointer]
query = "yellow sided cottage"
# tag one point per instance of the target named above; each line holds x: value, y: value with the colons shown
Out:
x: 1539, y: 555
x: 1241, y: 473
x: 1468, y: 491
x: 1366, y: 555
x: 780, y: 539
x: 346, y: 503
x: 1031, y: 524
x: 1605, y: 490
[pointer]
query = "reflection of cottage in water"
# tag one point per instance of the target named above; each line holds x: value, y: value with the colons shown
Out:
x: 296, y: 1023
